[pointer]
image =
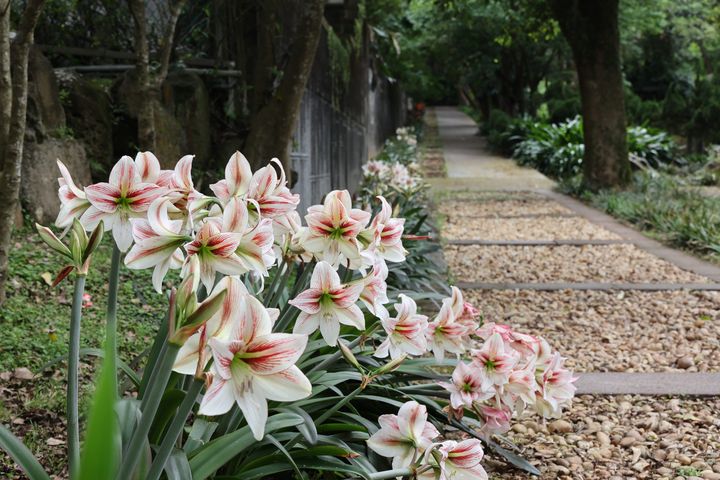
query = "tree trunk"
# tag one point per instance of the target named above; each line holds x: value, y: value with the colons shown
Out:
x: 5, y: 77
x: 12, y: 161
x: 591, y: 29
x: 146, y: 129
x: 273, y: 125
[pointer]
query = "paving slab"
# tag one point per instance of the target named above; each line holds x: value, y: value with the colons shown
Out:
x: 549, y: 287
x: 538, y: 243
x: 611, y: 383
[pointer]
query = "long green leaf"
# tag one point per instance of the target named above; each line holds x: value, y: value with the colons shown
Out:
x: 221, y: 450
x: 101, y: 452
x: 95, y: 352
x: 22, y: 456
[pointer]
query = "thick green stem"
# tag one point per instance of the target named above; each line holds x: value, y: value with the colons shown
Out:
x: 73, y: 427
x: 152, y: 398
x: 336, y: 356
x: 111, y: 325
x: 175, y: 429
x: 387, y: 474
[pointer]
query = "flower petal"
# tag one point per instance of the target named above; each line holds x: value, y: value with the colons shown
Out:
x: 274, y: 353
x: 285, y: 386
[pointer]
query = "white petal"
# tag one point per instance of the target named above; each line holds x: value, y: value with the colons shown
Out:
x: 286, y: 386
x: 218, y: 399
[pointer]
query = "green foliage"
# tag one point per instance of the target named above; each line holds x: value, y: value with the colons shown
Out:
x: 662, y: 204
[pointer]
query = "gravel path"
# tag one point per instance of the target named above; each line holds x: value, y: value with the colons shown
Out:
x: 609, y: 331
x: 510, y: 206
x: 457, y: 227
x: 606, y: 263
x: 623, y: 437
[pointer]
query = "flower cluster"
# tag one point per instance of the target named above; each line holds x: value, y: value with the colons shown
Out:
x: 395, y: 167
x: 510, y: 371
x: 408, y: 439
x: 225, y: 244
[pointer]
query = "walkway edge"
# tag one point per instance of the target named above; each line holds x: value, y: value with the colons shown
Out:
x: 616, y: 383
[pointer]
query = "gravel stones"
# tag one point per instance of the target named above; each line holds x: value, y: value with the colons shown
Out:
x: 626, y: 437
x: 492, y: 207
x: 625, y: 331
x: 538, y: 228
x: 588, y: 263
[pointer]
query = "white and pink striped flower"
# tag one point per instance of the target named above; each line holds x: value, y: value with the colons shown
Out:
x: 495, y: 360
x: 405, y: 436
x: 452, y: 460
x: 466, y: 387
x: 386, y: 233
x: 445, y: 334
x: 157, y: 242
x: 333, y: 228
x: 73, y: 200
x: 374, y: 293
x: 238, y: 176
x: 327, y: 304
x: 215, y: 250
x: 270, y: 193
x: 405, y: 332
x: 557, y: 387
x: 125, y: 196
x: 495, y: 419
x: 253, y: 366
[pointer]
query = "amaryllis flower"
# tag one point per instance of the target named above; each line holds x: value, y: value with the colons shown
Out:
x: 557, y: 386
x: 180, y: 186
x: 333, y: 228
x: 374, y: 293
x: 237, y: 179
x: 72, y: 198
x: 387, y: 233
x: 496, y: 420
x: 254, y: 365
x: 495, y: 361
x: 157, y: 242
x: 464, y: 312
x: 327, y: 304
x: 452, y: 460
x: 445, y: 334
x: 405, y: 331
x: 114, y: 203
x: 521, y: 385
x: 466, y: 387
x: 255, y: 245
x: 404, y: 436
x: 270, y: 193
x: 148, y: 167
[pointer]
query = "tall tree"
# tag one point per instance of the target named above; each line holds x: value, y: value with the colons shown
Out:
x: 276, y: 110
x: 591, y: 29
x: 149, y: 82
x: 12, y: 128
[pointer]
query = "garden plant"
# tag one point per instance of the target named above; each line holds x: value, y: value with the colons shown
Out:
x: 288, y: 349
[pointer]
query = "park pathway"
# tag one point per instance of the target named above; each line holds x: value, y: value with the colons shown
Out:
x: 640, y: 322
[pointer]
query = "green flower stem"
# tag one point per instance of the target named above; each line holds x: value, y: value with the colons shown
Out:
x: 387, y: 474
x: 336, y: 356
x: 155, y: 390
x: 111, y: 325
x: 73, y: 427
x: 175, y: 429
x: 272, y: 292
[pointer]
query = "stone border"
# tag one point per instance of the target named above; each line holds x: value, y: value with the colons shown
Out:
x: 617, y: 383
x: 677, y: 257
x: 600, y: 286
x: 537, y: 243
x: 491, y: 216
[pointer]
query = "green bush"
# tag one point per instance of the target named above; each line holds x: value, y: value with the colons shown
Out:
x: 556, y: 149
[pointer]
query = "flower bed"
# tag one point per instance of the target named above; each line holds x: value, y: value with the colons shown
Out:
x: 288, y: 347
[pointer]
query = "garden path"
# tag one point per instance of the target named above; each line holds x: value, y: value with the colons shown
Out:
x: 640, y: 319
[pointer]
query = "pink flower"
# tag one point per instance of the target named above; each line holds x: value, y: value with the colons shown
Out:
x: 333, y: 229
x: 181, y: 189
x: 254, y: 365
x: 466, y: 387
x: 465, y: 313
x: 215, y: 250
x: 495, y: 361
x: 86, y: 300
x: 124, y: 197
x: 327, y: 304
x: 255, y: 245
x: 404, y: 436
x: 521, y: 385
x: 496, y: 420
x: 445, y: 333
x: 72, y: 198
x: 405, y: 332
x: 453, y: 460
